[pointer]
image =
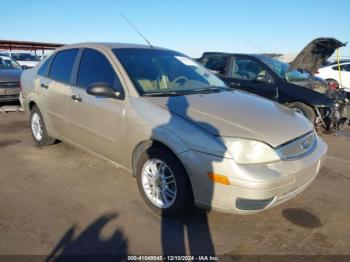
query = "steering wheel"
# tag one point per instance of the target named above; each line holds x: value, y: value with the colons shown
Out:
x: 177, y: 79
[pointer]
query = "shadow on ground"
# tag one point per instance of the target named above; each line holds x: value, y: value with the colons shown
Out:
x: 301, y: 218
x: 89, y: 245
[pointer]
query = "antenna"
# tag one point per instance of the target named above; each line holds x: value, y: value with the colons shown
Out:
x: 252, y: 43
x: 137, y: 31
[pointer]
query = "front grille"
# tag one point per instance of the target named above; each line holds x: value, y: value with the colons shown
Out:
x: 10, y: 84
x: 298, y: 147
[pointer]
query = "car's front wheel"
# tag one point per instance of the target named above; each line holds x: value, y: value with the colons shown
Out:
x: 38, y: 128
x: 163, y: 182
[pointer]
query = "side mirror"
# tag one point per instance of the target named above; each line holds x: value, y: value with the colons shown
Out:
x: 25, y: 67
x: 104, y: 90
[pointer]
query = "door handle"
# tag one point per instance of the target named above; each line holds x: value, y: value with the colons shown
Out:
x: 235, y: 83
x: 76, y: 98
x: 44, y: 86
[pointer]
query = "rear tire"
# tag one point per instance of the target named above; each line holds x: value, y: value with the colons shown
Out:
x: 163, y: 183
x: 304, y: 110
x: 38, y: 128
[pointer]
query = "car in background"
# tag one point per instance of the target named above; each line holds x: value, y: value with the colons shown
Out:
x: 10, y: 74
x: 26, y: 60
x: 277, y: 81
x: 185, y: 135
x: 5, y: 53
x: 331, y: 73
x: 334, y: 62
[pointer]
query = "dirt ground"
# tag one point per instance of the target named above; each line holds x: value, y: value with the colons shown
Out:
x: 61, y: 200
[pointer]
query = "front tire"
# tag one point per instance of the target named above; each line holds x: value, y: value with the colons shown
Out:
x: 163, y: 183
x: 38, y: 128
x: 304, y: 110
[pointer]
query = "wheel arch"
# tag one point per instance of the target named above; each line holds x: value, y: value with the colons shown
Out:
x: 144, y: 145
x: 31, y: 105
x: 330, y: 78
x: 35, y: 103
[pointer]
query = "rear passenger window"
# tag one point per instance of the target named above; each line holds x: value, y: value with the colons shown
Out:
x: 342, y: 68
x: 62, y: 64
x: 94, y: 68
x: 43, y: 69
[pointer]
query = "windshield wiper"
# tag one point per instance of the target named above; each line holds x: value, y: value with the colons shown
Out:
x: 210, y: 89
x: 170, y: 93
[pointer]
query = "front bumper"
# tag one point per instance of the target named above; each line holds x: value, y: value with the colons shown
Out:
x: 270, y: 184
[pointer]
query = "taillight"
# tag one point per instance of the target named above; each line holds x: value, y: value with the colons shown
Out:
x: 333, y: 85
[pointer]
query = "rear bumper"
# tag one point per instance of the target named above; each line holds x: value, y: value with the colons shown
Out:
x: 252, y: 188
x: 9, y: 94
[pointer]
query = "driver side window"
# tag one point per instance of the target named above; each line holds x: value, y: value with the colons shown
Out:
x: 95, y: 68
x: 247, y: 69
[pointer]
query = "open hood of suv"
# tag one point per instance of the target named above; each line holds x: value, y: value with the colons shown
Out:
x: 316, y: 53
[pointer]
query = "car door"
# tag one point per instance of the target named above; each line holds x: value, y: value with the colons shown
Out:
x: 54, y: 85
x: 96, y: 123
x: 251, y: 76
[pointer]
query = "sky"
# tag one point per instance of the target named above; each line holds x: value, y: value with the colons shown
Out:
x: 191, y: 27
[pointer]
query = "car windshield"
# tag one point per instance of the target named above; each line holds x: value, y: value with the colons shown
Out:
x: 6, y: 63
x: 164, y: 72
x: 25, y: 57
x: 282, y: 70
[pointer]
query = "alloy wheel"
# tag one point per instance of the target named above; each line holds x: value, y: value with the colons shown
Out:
x: 158, y: 182
x: 37, y: 126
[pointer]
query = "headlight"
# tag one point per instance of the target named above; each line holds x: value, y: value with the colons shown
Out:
x: 245, y: 151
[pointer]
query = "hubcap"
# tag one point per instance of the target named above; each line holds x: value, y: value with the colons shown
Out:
x: 159, y: 183
x: 37, y: 127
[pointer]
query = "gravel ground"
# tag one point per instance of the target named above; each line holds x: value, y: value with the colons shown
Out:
x: 61, y: 200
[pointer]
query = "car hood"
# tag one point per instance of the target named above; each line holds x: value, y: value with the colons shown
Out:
x: 316, y: 53
x: 238, y: 114
x: 10, y: 75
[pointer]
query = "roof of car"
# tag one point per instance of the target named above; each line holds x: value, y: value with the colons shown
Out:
x: 111, y: 45
x: 233, y: 54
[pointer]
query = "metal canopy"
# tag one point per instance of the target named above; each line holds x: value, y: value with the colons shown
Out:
x: 26, y: 45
